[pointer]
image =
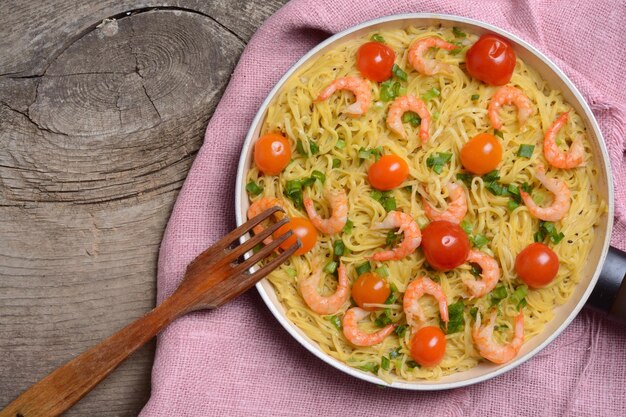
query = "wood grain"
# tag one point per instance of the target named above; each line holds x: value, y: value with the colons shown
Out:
x: 99, y: 124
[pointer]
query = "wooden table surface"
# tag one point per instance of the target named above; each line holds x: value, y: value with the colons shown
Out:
x: 103, y: 105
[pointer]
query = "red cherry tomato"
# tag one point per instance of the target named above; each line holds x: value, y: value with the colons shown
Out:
x: 272, y: 153
x: 374, y: 60
x: 481, y: 154
x: 303, y: 229
x: 445, y: 245
x: 491, y: 59
x: 428, y: 346
x: 537, y: 265
x: 370, y: 288
x: 388, y: 172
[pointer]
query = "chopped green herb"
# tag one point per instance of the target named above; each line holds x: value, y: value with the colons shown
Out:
x: 398, y: 72
x: 411, y: 117
x: 519, y: 296
x: 318, y: 176
x: 475, y: 269
x: 412, y: 364
x: 393, y: 287
x: 363, y: 268
x: 376, y: 195
x: 347, y: 229
x: 526, y: 188
x: 336, y: 163
x: 335, y: 321
x: 548, y: 229
x: 437, y: 160
x: 291, y: 272
x: 401, y: 330
x: 384, y: 318
x: 253, y: 188
x: 396, y: 352
x: 458, y: 33
x: 491, y: 176
x: 526, y: 151
x: 431, y: 94
x: 300, y: 148
x: 365, y: 153
x: 473, y: 312
x: 314, y: 148
x: 308, y: 181
x: 467, y: 227
x: 393, y: 297
x: 465, y: 177
x: 330, y: 267
x: 498, y: 294
x: 479, y: 240
x: 340, y: 144
x: 377, y: 152
x: 475, y: 97
x: 496, y: 188
x: 384, y: 363
x: 390, y: 89
x: 382, y: 271
x: 369, y: 367
x: 339, y: 248
x: 293, y: 191
x: 458, y: 49
x: 512, y: 205
x: 392, y: 238
x: 513, y: 190
x: 389, y: 204
x: 377, y: 38
x: 498, y: 133
x: 455, y: 313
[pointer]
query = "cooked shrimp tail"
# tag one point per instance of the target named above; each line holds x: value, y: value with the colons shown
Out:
x: 402, y: 105
x: 424, y: 65
x: 358, y: 86
x: 457, y: 208
x: 490, y: 274
x: 412, y: 236
x: 358, y: 337
x: 509, y: 95
x: 261, y: 205
x: 489, y: 348
x: 325, y: 304
x: 573, y: 157
x: 339, y: 203
x: 560, y: 205
x: 415, y: 291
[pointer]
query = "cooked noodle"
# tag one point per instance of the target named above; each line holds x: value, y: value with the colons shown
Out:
x: 456, y: 119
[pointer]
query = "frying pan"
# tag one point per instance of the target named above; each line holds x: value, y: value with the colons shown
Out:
x: 605, y: 267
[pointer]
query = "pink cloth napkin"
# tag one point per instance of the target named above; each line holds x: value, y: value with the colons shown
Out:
x: 238, y: 361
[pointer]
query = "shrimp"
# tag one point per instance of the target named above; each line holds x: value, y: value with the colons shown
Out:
x: 424, y: 65
x: 320, y: 304
x: 457, y: 208
x: 402, y: 105
x: 574, y: 157
x: 415, y: 290
x: 489, y: 349
x: 509, y: 95
x: 406, y: 225
x: 261, y: 205
x: 335, y: 223
x: 357, y: 337
x: 490, y: 275
x: 358, y: 86
x: 559, y: 207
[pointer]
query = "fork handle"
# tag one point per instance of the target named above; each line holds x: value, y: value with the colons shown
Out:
x: 66, y: 385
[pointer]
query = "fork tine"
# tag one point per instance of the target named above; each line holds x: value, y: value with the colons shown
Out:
x: 246, y: 280
x: 231, y: 237
x: 264, y: 252
x: 256, y: 239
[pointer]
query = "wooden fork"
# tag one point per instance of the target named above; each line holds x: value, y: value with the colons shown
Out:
x: 216, y: 276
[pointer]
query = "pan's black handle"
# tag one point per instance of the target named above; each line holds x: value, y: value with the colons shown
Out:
x: 609, y: 294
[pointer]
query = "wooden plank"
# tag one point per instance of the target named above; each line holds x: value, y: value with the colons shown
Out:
x: 98, y: 127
